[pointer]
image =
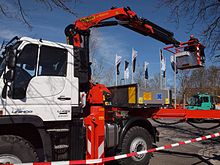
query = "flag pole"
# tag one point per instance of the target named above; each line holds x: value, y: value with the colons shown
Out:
x: 144, y: 75
x: 175, y: 82
x: 132, y: 78
x: 165, y: 78
x: 116, y: 76
x: 160, y: 69
x: 125, y: 72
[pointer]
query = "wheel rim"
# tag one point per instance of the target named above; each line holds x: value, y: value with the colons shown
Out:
x: 9, y: 159
x: 138, y: 144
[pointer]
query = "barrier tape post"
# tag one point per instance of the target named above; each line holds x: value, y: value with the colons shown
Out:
x: 107, y: 159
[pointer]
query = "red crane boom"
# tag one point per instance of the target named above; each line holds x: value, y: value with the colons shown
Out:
x: 125, y: 17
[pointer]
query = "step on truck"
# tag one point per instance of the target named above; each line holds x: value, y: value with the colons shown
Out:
x: 51, y: 111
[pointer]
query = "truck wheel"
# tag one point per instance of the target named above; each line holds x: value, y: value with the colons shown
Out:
x: 136, y: 139
x: 14, y: 149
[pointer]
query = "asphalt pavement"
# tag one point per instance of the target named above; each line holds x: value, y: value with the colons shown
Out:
x: 205, y: 152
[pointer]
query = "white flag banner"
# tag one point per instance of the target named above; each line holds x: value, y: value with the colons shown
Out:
x: 126, y: 71
x: 173, y: 63
x: 134, y: 55
x: 117, y: 60
x: 163, y: 63
x: 146, y: 70
x: 117, y: 63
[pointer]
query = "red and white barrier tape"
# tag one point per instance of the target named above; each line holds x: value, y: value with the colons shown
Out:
x: 103, y: 160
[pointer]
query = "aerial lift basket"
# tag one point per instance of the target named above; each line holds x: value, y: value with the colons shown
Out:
x: 188, y: 55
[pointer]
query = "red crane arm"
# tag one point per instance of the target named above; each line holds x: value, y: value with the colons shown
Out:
x: 122, y: 14
x: 126, y: 17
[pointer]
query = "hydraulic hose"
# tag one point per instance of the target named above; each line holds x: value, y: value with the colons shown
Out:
x: 165, y: 123
x: 202, y: 128
x: 188, y: 122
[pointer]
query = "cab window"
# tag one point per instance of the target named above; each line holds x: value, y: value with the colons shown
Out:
x: 25, y: 70
x: 52, y: 61
x: 205, y: 99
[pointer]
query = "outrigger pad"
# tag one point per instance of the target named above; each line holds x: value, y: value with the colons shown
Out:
x: 188, y: 60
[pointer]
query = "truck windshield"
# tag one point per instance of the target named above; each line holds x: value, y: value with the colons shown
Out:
x: 194, y: 101
x: 2, y: 57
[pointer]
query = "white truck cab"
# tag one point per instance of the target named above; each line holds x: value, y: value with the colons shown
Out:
x: 44, y: 75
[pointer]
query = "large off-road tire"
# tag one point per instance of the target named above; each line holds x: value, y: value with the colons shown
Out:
x: 14, y: 149
x: 136, y: 139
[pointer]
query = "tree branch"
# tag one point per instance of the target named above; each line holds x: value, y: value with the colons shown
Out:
x: 16, y: 11
x: 2, y: 10
x: 60, y: 3
x: 23, y: 14
x: 47, y: 4
x: 198, y: 13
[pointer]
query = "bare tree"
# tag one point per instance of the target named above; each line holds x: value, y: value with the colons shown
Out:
x: 184, y: 81
x: 97, y: 64
x: 97, y: 70
x: 154, y: 82
x: 203, y: 80
x: 15, y: 9
x: 108, y: 76
x: 198, y: 13
x: 139, y: 76
x: 213, y: 80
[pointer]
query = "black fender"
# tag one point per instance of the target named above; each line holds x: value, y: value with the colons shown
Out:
x: 137, y: 121
x: 22, y: 119
x: 38, y: 123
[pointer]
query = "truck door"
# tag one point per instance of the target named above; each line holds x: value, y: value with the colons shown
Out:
x: 44, y: 84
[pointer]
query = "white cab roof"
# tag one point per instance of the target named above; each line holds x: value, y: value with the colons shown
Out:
x: 44, y: 42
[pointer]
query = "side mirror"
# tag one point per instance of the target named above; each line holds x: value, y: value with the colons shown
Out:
x: 12, y: 62
x: 11, y: 58
x: 9, y: 76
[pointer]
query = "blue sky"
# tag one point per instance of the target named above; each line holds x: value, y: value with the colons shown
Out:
x: 49, y: 25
